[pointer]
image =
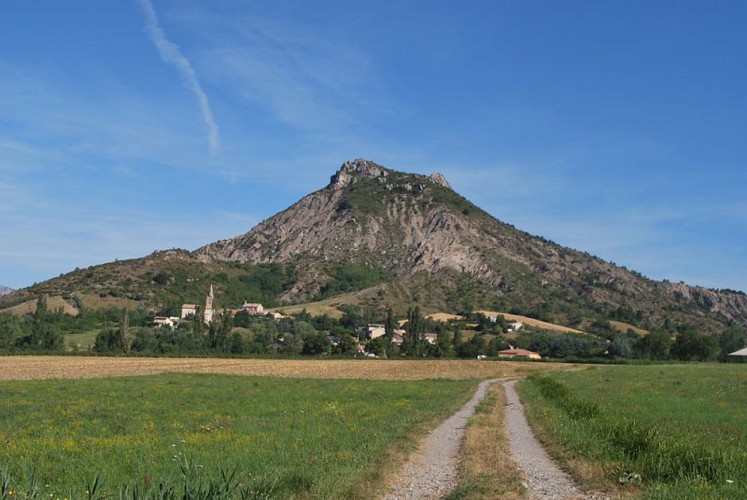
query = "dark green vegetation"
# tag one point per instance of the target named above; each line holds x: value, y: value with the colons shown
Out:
x: 125, y: 331
x: 163, y: 281
x: 682, y: 343
x: 664, y: 431
x: 348, y: 277
x: 280, y: 438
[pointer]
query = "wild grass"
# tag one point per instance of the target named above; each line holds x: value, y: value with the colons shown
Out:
x: 675, y: 431
x: 287, y: 438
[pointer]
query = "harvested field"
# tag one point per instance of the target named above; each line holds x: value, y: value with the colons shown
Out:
x: 533, y: 322
x: 624, y: 327
x: 444, y: 317
x: 47, y: 367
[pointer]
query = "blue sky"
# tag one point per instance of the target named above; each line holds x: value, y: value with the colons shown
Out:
x: 614, y: 127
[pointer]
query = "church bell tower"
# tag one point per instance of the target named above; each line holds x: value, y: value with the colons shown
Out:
x: 209, y: 306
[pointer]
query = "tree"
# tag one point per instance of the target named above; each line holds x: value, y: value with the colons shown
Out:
x: 43, y: 335
x: 237, y: 343
x: 689, y: 345
x: 351, y: 319
x: 198, y: 321
x: 113, y: 340
x: 473, y: 348
x: 457, y: 340
x: 10, y: 329
x: 107, y: 341
x: 315, y: 343
x: 218, y: 332
x: 413, y: 342
x: 120, y: 342
x: 484, y: 324
x: 496, y: 344
x: 655, y: 345
x: 345, y: 346
x: 145, y: 340
x: 390, y: 325
x: 443, y: 347
x: 621, y: 347
x: 161, y: 278
x: 732, y: 339
x: 379, y: 346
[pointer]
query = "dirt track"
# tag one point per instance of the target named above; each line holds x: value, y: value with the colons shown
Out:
x: 432, y: 472
x: 46, y: 367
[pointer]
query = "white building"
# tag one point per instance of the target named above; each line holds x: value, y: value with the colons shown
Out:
x: 375, y: 331
x: 252, y: 308
x: 191, y: 309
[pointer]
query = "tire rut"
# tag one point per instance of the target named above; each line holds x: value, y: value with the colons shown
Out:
x: 432, y: 472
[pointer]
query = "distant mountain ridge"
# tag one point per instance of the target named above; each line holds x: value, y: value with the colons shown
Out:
x: 4, y: 290
x: 401, y: 239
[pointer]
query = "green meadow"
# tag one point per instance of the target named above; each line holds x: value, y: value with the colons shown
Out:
x: 267, y: 437
x: 665, y: 431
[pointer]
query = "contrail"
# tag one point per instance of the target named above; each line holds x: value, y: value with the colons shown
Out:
x: 171, y: 54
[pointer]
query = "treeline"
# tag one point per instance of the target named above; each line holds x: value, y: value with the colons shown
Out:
x: 121, y: 331
x: 44, y: 329
x: 680, y: 343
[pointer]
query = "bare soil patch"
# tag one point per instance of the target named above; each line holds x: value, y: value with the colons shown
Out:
x: 45, y: 367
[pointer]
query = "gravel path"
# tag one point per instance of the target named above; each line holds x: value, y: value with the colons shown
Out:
x: 542, y: 478
x: 432, y: 471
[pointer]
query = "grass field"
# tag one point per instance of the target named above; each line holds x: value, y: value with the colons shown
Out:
x: 666, y: 431
x: 292, y: 438
x: 81, y: 341
x: 292, y: 431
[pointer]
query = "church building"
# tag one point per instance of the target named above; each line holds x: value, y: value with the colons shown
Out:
x: 191, y: 309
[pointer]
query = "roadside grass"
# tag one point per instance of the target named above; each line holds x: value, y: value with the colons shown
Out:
x: 486, y: 469
x: 661, y: 431
x: 258, y: 437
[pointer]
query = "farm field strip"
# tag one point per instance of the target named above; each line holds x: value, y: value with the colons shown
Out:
x: 53, y: 367
x: 666, y: 431
x: 291, y: 437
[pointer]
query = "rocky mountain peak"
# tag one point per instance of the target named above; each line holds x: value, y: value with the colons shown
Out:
x: 438, y: 178
x: 350, y: 171
x: 360, y: 168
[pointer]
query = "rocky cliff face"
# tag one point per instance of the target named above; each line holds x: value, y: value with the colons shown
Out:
x: 413, y: 225
x: 368, y: 215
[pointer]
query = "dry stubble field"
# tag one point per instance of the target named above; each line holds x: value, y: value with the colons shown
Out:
x: 51, y: 367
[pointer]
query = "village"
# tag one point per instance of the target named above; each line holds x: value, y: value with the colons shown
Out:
x: 365, y: 336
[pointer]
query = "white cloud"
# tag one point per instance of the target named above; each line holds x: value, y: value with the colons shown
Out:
x: 308, y: 81
x: 171, y: 54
